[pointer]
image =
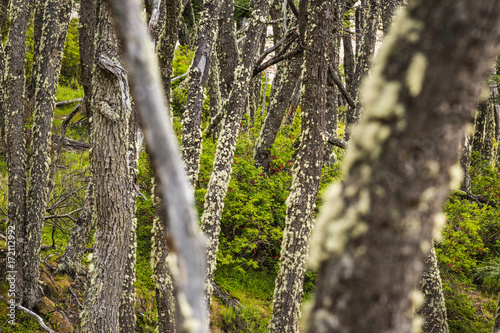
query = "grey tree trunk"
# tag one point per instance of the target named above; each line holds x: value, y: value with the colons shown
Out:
x: 165, y: 46
x: 496, y: 327
x: 465, y: 164
x: 370, y: 261
x: 14, y: 131
x: 433, y: 310
x: 388, y: 7
x: 86, y: 31
x: 487, y: 149
x: 235, y: 106
x: 127, y: 303
x: 479, y: 126
x: 178, y: 199
x: 306, y: 172
x: 162, y: 278
x: 198, y: 78
x: 365, y: 47
x: 286, y: 78
x: 46, y: 67
x: 70, y: 261
x: 113, y: 210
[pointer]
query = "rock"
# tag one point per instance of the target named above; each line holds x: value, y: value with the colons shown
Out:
x: 45, y: 306
x: 62, y: 325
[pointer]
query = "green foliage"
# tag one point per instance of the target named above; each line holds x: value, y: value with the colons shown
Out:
x: 468, y: 253
x: 70, y: 66
x: 245, y: 320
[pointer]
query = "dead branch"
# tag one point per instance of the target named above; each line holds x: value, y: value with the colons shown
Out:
x: 71, y: 101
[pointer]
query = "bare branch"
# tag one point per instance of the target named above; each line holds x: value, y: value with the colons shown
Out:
x: 71, y: 101
x: 333, y: 76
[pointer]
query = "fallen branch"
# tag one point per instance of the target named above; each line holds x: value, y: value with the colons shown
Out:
x: 72, y: 144
x: 37, y: 317
x: 71, y: 101
x: 76, y: 297
x: 31, y: 313
x: 226, y: 299
x: 179, y: 77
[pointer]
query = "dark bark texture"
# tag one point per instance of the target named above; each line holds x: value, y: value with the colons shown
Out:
x: 46, y: 67
x: 14, y: 130
x: 86, y: 31
x: 372, y: 238
x: 306, y: 172
x: 112, y: 186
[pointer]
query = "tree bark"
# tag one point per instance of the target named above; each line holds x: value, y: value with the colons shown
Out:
x: 86, y: 30
x: 178, y: 203
x: 14, y: 130
x: 286, y: 78
x: 48, y: 51
x: 235, y: 106
x: 112, y: 185
x: 365, y: 47
x: 488, y: 149
x: 306, y: 172
x: 388, y: 8
x: 198, y: 78
x: 496, y: 327
x: 465, y: 164
x: 166, y: 45
x: 162, y: 277
x: 371, y: 240
x: 479, y: 126
x: 433, y: 310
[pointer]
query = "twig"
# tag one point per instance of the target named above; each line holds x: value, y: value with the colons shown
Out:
x: 477, y: 198
x: 334, y: 141
x: 276, y: 59
x: 55, y: 216
x: 71, y: 101
x: 76, y: 297
x: 341, y: 87
x: 179, y: 77
x: 37, y: 317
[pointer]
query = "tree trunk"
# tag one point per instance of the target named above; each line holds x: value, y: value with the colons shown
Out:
x: 479, y: 126
x: 86, y: 30
x: 369, y: 240
x: 174, y: 187
x: 496, y: 327
x: 166, y: 45
x: 488, y: 149
x: 388, y: 7
x: 112, y: 185
x: 306, y: 172
x: 294, y: 103
x: 286, y: 78
x: 198, y: 78
x: 235, y: 106
x: 46, y: 67
x: 162, y: 278
x: 433, y: 310
x: 70, y: 262
x: 14, y: 130
x: 465, y: 164
x: 365, y: 47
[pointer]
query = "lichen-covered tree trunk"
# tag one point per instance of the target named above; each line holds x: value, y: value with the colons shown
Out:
x: 433, y: 310
x: 70, y: 261
x: 235, y: 106
x: 198, y: 78
x: 112, y: 185
x: 479, y: 126
x: 294, y: 103
x: 286, y: 78
x: 255, y: 88
x: 387, y: 10
x: 14, y: 131
x: 306, y: 173
x: 86, y: 30
x: 162, y: 278
x: 46, y: 67
x: 365, y: 47
x: 165, y: 46
x: 187, y: 27
x: 376, y: 228
x: 465, y: 164
x: 127, y: 303
x: 487, y: 148
x: 4, y: 14
x: 496, y: 327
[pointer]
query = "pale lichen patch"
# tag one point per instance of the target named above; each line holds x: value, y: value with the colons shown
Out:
x: 416, y: 73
